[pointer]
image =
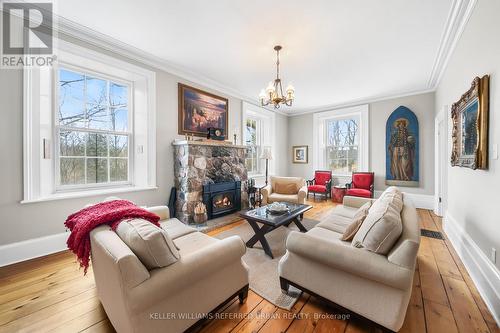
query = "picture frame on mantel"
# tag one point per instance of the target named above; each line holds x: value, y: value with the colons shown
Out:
x: 200, y: 110
x: 470, y: 123
x: 300, y: 154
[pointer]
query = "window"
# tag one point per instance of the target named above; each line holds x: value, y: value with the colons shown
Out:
x: 252, y: 140
x: 341, y: 140
x: 342, y: 145
x: 258, y: 134
x: 89, y: 126
x: 92, y: 129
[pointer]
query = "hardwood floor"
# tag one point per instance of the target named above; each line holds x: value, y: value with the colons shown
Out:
x: 51, y: 294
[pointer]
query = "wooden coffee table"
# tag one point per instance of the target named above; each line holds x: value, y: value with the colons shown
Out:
x: 272, y: 221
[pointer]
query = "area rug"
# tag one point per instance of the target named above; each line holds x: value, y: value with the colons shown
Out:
x: 264, y: 279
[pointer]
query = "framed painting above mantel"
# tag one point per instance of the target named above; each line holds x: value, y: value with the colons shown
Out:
x: 470, y: 126
x: 200, y: 110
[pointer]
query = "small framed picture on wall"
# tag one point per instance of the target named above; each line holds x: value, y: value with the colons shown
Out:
x: 300, y: 154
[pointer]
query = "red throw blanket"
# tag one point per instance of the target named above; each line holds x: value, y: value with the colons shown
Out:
x: 109, y: 212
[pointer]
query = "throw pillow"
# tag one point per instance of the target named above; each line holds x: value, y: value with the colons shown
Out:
x: 151, y: 244
x: 357, y: 220
x: 383, y: 226
x: 285, y: 188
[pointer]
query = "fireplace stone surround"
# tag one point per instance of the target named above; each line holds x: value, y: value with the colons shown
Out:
x: 199, y: 163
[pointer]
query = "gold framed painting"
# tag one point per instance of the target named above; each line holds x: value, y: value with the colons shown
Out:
x: 469, y: 117
x: 300, y: 154
x: 200, y: 110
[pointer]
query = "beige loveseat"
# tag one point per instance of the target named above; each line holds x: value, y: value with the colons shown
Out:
x: 375, y: 286
x: 169, y: 299
x: 297, y: 195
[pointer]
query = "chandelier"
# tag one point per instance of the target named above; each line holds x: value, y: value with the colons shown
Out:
x: 273, y: 94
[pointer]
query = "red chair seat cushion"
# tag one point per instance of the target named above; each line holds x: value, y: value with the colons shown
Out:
x: 359, y: 192
x: 317, y: 188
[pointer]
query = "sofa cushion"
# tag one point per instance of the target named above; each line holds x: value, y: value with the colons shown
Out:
x: 357, y: 220
x: 276, y: 197
x: 334, y: 222
x: 151, y: 244
x: 285, y: 188
x: 326, y: 234
x: 345, y: 211
x: 176, y: 228
x: 193, y: 242
x: 382, y: 227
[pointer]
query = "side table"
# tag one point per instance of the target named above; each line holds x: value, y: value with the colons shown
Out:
x: 338, y: 193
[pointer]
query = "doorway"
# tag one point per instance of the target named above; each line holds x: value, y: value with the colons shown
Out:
x: 441, y: 160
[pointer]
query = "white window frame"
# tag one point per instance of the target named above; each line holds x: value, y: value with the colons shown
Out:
x: 57, y: 128
x: 265, y: 135
x: 40, y: 139
x: 320, y: 136
x: 258, y: 142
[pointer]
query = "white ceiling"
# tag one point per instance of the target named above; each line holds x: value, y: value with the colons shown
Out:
x: 334, y: 51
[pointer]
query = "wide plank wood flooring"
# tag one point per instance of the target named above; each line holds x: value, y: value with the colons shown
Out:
x: 50, y: 294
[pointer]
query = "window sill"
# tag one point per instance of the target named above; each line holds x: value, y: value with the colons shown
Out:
x: 89, y: 193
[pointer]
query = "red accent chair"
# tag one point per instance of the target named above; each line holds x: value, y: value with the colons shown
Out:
x: 320, y: 184
x: 361, y: 185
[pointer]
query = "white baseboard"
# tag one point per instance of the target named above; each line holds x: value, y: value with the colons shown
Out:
x: 423, y: 201
x: 485, y: 275
x: 32, y: 248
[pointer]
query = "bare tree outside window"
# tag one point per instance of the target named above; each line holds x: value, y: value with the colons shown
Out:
x: 342, y: 145
x: 93, y: 129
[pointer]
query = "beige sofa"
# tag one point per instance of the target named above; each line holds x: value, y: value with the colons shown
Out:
x: 375, y: 286
x: 208, y: 273
x: 270, y: 195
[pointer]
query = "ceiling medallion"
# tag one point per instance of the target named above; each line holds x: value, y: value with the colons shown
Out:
x: 273, y: 94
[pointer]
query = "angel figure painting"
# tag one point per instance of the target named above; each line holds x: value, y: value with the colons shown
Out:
x: 402, y: 143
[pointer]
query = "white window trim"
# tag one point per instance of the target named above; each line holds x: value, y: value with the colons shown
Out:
x: 39, y: 98
x: 319, y: 146
x: 129, y: 133
x: 266, y: 137
x: 258, y: 143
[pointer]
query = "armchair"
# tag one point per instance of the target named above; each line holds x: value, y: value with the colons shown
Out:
x: 209, y: 271
x: 289, y: 189
x: 361, y: 185
x: 321, y: 184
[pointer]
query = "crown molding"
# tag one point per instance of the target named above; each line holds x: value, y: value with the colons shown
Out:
x: 455, y: 24
x: 103, y: 41
x: 458, y: 17
x: 357, y: 102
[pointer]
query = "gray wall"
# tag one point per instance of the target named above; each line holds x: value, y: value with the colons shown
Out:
x: 300, y: 132
x: 26, y: 221
x: 473, y: 196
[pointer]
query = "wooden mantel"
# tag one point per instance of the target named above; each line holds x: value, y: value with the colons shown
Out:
x: 207, y: 143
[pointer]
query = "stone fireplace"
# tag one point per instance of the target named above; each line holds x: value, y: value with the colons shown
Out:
x: 207, y: 170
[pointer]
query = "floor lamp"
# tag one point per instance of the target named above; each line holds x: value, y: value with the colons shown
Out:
x: 266, y: 155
